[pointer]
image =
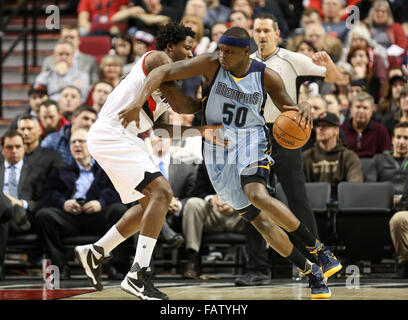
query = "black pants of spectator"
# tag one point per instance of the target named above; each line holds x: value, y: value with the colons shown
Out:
x: 289, y: 171
x: 5, y: 217
x: 55, y: 224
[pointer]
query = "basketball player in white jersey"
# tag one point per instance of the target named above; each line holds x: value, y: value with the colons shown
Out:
x: 294, y: 68
x: 125, y: 158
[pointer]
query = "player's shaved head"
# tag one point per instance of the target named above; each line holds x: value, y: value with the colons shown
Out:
x: 237, y: 32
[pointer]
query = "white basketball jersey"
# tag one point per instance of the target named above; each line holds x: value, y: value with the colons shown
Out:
x: 125, y: 92
x: 294, y: 69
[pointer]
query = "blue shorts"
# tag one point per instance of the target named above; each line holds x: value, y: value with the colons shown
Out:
x: 246, y: 159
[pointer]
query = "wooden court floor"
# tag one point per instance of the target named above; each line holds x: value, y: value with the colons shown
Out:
x: 221, y: 289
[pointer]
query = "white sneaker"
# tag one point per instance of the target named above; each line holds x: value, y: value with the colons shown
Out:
x: 91, y: 264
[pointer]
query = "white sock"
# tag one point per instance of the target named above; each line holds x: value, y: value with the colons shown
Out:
x: 144, y: 251
x: 110, y: 240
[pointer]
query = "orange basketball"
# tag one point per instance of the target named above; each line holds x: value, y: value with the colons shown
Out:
x: 288, y: 132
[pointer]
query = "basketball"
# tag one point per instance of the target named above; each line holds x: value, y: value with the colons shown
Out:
x: 288, y: 132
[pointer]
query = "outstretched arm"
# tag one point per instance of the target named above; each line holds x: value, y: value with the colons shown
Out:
x: 205, y: 64
x: 333, y: 73
x: 275, y: 88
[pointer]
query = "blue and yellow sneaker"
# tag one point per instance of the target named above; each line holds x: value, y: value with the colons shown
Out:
x: 326, y: 259
x: 317, y: 281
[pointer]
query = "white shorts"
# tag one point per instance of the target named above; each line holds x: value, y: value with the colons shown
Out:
x: 123, y: 156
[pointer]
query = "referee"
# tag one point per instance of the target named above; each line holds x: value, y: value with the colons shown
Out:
x: 294, y: 69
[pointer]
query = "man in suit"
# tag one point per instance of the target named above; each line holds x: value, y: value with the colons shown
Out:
x: 182, y: 178
x: 81, y: 61
x: 78, y: 199
x: 21, y: 190
x: 44, y: 160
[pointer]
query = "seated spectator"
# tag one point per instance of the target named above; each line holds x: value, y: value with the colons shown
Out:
x: 111, y: 69
x: 99, y: 12
x: 182, y: 179
x: 35, y: 155
x: 79, y: 199
x: 64, y: 73
x: 205, y: 213
x: 334, y: 26
x: 100, y: 93
x: 20, y: 191
x: 81, y: 61
x: 318, y: 105
x: 329, y: 160
x: 142, y: 42
x: 390, y: 106
x: 365, y: 136
x: 374, y: 76
x: 245, y: 6
x: 50, y: 118
x: 160, y: 9
x: 216, y: 13
x: 392, y: 165
x: 333, y: 106
x: 196, y: 8
x: 69, y: 101
x: 318, y: 6
x: 36, y: 96
x: 306, y: 47
x: 399, y: 233
x: 122, y: 46
x: 316, y: 34
x: 360, y: 36
x: 216, y: 32
x: 241, y: 19
x: 341, y: 85
x: 404, y: 104
x: 387, y: 33
x: 83, y: 117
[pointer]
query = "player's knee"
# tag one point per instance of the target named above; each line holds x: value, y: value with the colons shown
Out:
x: 165, y: 192
x: 253, y: 195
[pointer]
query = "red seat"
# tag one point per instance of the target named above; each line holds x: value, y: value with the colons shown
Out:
x: 97, y: 46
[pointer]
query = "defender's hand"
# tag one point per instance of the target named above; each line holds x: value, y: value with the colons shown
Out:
x: 129, y: 114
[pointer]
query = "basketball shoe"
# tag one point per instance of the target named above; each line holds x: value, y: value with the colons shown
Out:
x: 326, y: 259
x: 87, y: 256
x: 317, y: 281
x: 138, y: 283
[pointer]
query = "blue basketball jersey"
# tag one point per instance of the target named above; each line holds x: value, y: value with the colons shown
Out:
x: 237, y: 103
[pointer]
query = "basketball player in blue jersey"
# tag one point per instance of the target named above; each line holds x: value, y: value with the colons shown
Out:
x: 234, y: 94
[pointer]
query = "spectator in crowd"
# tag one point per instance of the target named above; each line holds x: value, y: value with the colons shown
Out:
x: 169, y: 8
x: 36, y: 96
x: 399, y: 232
x: 64, y: 73
x: 306, y: 47
x: 360, y: 36
x: 386, y: 32
x: 318, y: 105
x: 334, y: 26
x: 100, y: 12
x: 21, y: 191
x: 205, y: 212
x: 216, y: 12
x: 216, y: 32
x: 392, y: 165
x: 308, y: 17
x: 329, y: 160
x: 342, y: 84
x: 79, y: 199
x: 390, y: 106
x: 70, y: 99
x: 375, y: 76
x: 318, y: 6
x: 142, y: 42
x: 50, y: 118
x: 196, y: 8
x: 122, y: 46
x: 333, y: 106
x: 35, y: 155
x: 404, y: 104
x: 245, y: 6
x: 100, y: 93
x: 316, y: 34
x: 182, y: 178
x: 81, y: 61
x: 111, y: 68
x: 83, y: 117
x: 365, y: 136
